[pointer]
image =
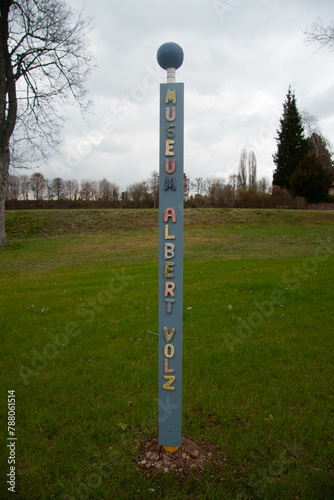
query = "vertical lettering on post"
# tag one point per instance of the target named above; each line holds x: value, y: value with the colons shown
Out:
x: 171, y: 261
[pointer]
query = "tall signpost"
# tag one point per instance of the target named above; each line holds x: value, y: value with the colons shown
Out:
x: 170, y: 57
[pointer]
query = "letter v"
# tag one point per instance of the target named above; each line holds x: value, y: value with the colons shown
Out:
x: 170, y: 335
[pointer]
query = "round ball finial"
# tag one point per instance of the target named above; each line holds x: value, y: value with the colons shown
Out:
x: 170, y: 55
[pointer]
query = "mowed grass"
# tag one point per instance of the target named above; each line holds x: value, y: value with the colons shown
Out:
x: 77, y: 301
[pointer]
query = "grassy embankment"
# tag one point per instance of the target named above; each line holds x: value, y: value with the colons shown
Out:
x: 78, y: 294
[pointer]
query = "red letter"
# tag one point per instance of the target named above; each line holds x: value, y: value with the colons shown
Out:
x: 168, y: 169
x: 166, y: 367
x: 169, y: 288
x: 169, y: 212
x: 173, y: 114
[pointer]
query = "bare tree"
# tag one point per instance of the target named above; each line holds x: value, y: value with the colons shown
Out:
x: 115, y: 193
x: 37, y: 185
x: 89, y: 190
x: 233, y: 180
x: 154, y: 187
x: 72, y: 189
x: 105, y: 190
x: 13, y: 188
x: 24, y: 186
x: 215, y: 190
x: 108, y: 191
x: 252, y: 171
x: 318, y: 143
x: 310, y: 123
x: 199, y: 185
x: 242, y: 173
x: 49, y: 189
x: 186, y: 185
x: 321, y: 35
x: 44, y: 63
x: 320, y: 146
x: 263, y: 185
x: 58, y: 187
x: 138, y: 192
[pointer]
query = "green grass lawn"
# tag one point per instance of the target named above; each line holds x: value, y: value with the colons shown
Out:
x: 78, y: 296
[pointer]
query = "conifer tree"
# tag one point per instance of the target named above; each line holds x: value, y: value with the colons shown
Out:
x: 320, y: 146
x: 310, y: 179
x: 291, y: 142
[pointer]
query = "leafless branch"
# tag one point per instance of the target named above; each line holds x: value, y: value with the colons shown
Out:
x: 321, y: 35
x: 47, y: 45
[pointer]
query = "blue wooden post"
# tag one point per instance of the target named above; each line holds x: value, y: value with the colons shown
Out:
x: 170, y: 57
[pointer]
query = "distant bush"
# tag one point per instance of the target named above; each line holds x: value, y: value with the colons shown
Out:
x: 252, y: 199
x: 281, y: 198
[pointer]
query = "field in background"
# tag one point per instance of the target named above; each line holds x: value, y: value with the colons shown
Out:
x: 78, y: 296
x: 38, y: 223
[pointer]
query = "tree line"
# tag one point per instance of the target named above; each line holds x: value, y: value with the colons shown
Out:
x: 242, y: 189
x: 210, y: 191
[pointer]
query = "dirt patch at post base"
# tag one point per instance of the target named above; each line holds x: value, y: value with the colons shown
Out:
x: 190, y: 457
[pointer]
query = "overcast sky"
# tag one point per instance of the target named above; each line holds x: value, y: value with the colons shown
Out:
x: 240, y: 56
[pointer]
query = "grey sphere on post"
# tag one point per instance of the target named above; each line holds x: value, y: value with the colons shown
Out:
x: 170, y: 55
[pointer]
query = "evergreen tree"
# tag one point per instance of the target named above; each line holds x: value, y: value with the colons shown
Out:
x: 320, y: 146
x: 310, y: 179
x: 291, y: 142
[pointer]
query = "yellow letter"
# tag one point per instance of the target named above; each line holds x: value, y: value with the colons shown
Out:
x: 169, y: 147
x: 167, y: 237
x: 169, y: 132
x: 168, y: 384
x: 168, y: 269
x: 169, y: 336
x: 170, y: 96
x: 172, y: 351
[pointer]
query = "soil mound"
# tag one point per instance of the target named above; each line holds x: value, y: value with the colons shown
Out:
x: 191, y: 456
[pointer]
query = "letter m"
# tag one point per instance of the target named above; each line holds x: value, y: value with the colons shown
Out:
x: 170, y: 97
